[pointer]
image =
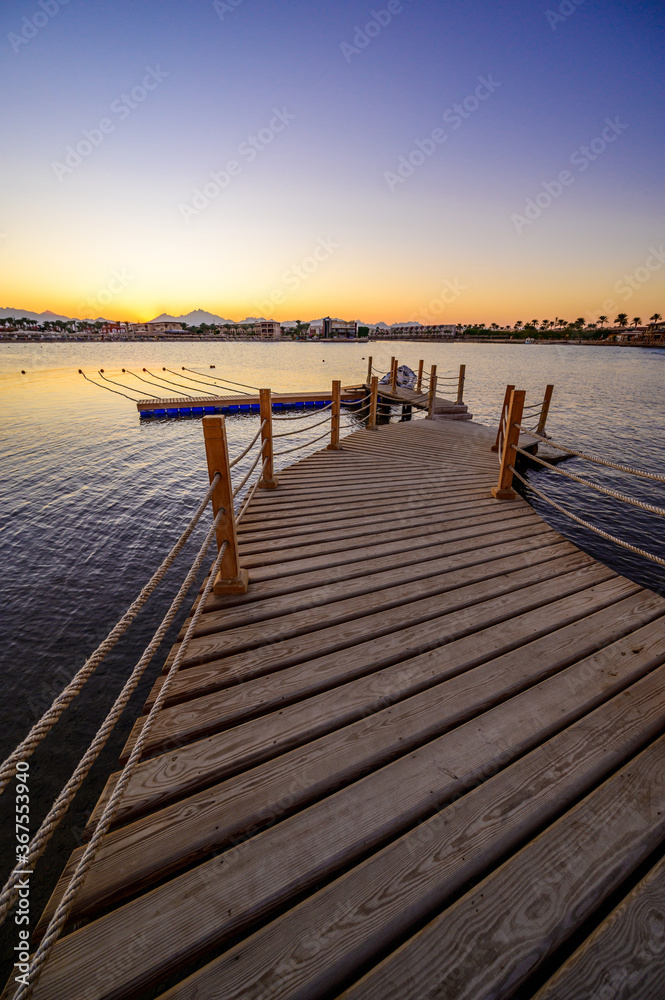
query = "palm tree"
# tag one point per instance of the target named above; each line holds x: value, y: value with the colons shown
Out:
x: 579, y: 323
x: 655, y: 317
x: 637, y: 321
x: 563, y: 322
x: 622, y: 319
x: 602, y: 320
x: 519, y: 324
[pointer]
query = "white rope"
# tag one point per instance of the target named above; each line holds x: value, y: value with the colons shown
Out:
x: 64, y: 907
x: 652, y: 508
x: 249, y: 471
x: 295, y: 430
x: 250, y: 493
x: 64, y: 799
x: 51, y: 716
x: 249, y: 446
x: 299, y: 446
x: 600, y: 461
x: 591, y: 527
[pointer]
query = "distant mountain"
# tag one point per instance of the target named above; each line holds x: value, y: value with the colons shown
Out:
x: 43, y: 317
x: 193, y: 318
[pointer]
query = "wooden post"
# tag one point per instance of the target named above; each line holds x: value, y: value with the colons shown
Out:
x: 432, y: 393
x: 504, y: 490
x: 374, y: 398
x: 231, y: 579
x: 393, y: 375
x: 460, y: 385
x: 369, y: 370
x: 334, y: 416
x: 540, y: 429
x: 267, y: 480
x: 419, y: 383
x: 504, y: 411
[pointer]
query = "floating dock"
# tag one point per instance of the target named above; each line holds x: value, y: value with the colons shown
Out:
x: 421, y: 757
x: 180, y: 406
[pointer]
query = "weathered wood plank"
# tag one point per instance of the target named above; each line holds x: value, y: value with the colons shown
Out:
x: 581, y: 623
x: 200, y: 908
x: 625, y: 956
x: 313, y: 949
x: 495, y: 936
x: 259, y: 694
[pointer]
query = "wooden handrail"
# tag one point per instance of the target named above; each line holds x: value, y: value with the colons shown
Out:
x: 369, y: 369
x: 419, y: 383
x: 373, y: 403
x: 230, y: 579
x: 393, y: 375
x: 460, y: 385
x: 545, y: 409
x: 267, y: 480
x: 432, y: 393
x: 504, y: 489
x: 334, y: 416
x: 504, y: 409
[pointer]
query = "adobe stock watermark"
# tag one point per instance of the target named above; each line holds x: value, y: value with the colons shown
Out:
x: 629, y: 284
x: 121, y: 108
x: 117, y: 284
x: 582, y: 159
x: 450, y: 292
x: 378, y: 20
x: 223, y: 7
x: 455, y: 118
x: 248, y: 149
x: 31, y: 26
x: 295, y: 275
x: 565, y: 10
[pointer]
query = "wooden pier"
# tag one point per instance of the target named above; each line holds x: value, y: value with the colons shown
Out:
x: 173, y: 406
x: 422, y: 756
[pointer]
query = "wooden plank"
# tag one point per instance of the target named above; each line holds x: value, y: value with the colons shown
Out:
x: 180, y: 918
x: 582, y: 623
x: 316, y: 947
x: 415, y: 566
x: 292, y: 581
x: 259, y: 694
x: 499, y: 933
x: 381, y: 537
x: 436, y: 578
x: 625, y: 956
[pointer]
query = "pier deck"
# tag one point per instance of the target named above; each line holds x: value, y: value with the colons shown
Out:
x: 421, y: 757
x: 236, y: 403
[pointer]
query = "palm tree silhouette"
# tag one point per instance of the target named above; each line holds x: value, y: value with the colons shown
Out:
x: 602, y: 320
x: 655, y: 317
x: 622, y: 319
x: 637, y: 321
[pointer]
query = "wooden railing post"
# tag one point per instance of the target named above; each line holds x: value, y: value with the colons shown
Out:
x: 540, y: 429
x: 419, y: 383
x: 231, y: 579
x: 334, y: 416
x: 504, y: 489
x: 373, y: 403
x: 460, y: 385
x: 504, y: 411
x: 267, y: 480
x: 432, y: 393
x: 369, y: 369
x: 393, y: 375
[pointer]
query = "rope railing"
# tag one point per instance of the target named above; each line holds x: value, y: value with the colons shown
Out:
x: 296, y: 429
x: 250, y: 493
x: 229, y: 380
x: 208, y: 385
x: 605, y: 490
x: 586, y: 524
x: 656, y: 477
x: 38, y: 732
x: 242, y: 482
x: 65, y: 905
x: 249, y: 447
x: 64, y: 799
x: 305, y: 444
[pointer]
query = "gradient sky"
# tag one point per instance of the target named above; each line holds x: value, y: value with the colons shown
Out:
x: 120, y: 233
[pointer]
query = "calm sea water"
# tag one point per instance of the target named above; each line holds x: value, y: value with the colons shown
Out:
x: 93, y: 498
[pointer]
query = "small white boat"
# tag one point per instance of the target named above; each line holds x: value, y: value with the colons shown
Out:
x: 406, y: 378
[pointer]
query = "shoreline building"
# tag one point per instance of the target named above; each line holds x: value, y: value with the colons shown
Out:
x: 156, y: 329
x: 268, y: 329
x: 334, y: 329
x: 416, y: 332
